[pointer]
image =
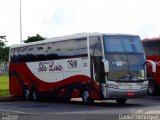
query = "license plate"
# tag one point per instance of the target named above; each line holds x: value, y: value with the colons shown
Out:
x: 130, y: 93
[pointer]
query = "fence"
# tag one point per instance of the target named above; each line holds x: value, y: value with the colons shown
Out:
x: 3, y: 69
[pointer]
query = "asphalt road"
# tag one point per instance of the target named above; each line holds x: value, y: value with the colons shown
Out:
x: 75, y: 110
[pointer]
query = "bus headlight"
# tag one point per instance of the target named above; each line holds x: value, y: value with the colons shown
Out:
x: 145, y: 85
x: 112, y: 86
x: 142, y: 73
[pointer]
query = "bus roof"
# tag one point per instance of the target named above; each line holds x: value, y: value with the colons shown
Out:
x: 151, y: 39
x: 67, y: 37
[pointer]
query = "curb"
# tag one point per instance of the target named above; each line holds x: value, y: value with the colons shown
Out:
x: 10, y: 98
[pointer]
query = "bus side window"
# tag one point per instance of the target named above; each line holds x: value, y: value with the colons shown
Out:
x: 30, y: 53
x: 53, y: 50
x: 16, y: 57
x: 40, y: 53
x: 12, y: 56
x: 74, y: 48
x: 22, y: 54
x: 66, y: 48
x: 95, y: 46
x: 80, y: 47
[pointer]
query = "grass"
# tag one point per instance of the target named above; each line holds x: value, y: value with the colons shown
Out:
x: 4, y: 85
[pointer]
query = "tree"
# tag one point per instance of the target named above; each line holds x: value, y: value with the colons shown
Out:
x: 2, y: 40
x: 34, y: 38
x: 4, y: 52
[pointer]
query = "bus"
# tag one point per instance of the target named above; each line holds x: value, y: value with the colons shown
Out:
x: 91, y: 66
x: 152, y: 50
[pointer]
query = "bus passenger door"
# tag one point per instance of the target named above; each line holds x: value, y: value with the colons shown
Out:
x: 97, y: 67
x: 99, y: 74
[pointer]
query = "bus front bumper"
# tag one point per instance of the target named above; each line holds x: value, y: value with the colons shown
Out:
x: 112, y: 93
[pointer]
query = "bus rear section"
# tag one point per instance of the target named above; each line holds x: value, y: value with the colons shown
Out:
x: 152, y: 51
x: 92, y: 66
x: 56, y: 68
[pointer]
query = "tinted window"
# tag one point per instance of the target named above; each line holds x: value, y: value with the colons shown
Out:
x: 50, y: 51
x: 22, y: 54
x: 31, y: 53
x: 16, y: 52
x: 12, y: 55
x: 40, y: 52
x: 122, y: 44
x: 95, y: 46
x: 74, y: 48
x: 152, y: 48
x: 53, y: 51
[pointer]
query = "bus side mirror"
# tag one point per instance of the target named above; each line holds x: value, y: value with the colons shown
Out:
x: 153, y: 65
x: 106, y: 65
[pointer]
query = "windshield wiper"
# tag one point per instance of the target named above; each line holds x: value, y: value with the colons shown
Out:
x: 124, y: 77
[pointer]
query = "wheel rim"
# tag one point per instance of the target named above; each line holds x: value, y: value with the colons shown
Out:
x: 85, y: 96
x: 34, y: 96
x: 151, y: 88
x: 26, y: 94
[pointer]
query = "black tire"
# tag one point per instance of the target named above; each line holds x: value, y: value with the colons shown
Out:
x: 86, y: 97
x: 26, y: 93
x: 34, y: 95
x: 151, y: 88
x: 66, y: 99
x: 121, y: 100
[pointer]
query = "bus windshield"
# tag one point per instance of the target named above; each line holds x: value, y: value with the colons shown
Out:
x: 126, y: 57
x: 123, y: 44
x: 152, y: 48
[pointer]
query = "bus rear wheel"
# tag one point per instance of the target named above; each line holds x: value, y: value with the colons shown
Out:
x: 34, y: 95
x: 121, y: 100
x: 26, y: 93
x: 86, y: 97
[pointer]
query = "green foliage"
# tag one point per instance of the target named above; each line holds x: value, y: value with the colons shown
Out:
x: 4, y: 85
x: 34, y: 38
x: 2, y: 41
x: 4, y: 54
x: 4, y: 50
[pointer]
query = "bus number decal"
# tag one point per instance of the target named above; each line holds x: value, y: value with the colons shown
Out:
x: 72, y: 64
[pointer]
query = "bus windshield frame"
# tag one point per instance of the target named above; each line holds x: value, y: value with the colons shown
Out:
x: 126, y: 57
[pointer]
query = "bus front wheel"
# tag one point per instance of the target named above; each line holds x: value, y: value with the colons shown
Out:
x: 86, y: 97
x: 151, y: 87
x: 121, y: 100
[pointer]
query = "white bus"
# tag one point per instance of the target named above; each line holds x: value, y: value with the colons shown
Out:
x: 93, y: 66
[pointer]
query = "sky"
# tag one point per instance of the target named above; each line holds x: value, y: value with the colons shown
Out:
x: 52, y: 18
